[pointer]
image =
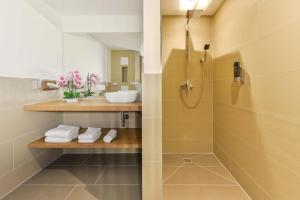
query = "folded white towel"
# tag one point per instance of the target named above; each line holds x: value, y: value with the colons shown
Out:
x: 58, y: 140
x: 59, y: 133
x: 90, y: 134
x: 76, y: 128
x: 62, y: 131
x: 112, y: 134
x: 88, y: 140
x: 61, y: 139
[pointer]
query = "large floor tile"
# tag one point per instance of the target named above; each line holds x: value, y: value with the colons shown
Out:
x: 206, y: 160
x: 168, y: 171
x: 71, y: 159
x: 121, y: 175
x: 197, y: 175
x: 221, y: 171
x: 114, y: 159
x: 67, y: 175
x: 183, y: 192
x: 26, y: 192
x: 107, y: 192
x: 172, y: 160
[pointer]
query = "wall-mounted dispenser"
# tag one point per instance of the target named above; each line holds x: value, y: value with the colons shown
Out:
x: 238, y: 72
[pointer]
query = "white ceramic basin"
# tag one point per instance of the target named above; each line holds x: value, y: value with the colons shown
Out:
x: 128, y: 96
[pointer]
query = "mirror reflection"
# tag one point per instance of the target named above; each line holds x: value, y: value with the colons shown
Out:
x: 117, y: 64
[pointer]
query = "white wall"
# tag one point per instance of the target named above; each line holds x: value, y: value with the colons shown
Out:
x: 82, y: 52
x: 102, y: 23
x: 30, y: 46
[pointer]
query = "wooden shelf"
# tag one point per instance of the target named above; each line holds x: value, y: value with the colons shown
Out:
x: 97, y: 105
x: 127, y: 138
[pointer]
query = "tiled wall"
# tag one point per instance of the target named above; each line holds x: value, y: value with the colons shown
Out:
x: 257, y: 124
x: 186, y: 130
x: 18, y: 128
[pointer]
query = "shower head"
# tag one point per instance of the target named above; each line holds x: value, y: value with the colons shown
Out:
x: 193, y: 13
x: 206, y: 47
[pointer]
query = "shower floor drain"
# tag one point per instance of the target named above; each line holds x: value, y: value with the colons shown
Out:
x: 187, y: 160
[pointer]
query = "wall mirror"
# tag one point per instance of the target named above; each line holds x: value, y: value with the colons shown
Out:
x: 115, y: 58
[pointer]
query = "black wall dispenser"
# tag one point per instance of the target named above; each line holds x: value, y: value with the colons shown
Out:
x: 237, y: 72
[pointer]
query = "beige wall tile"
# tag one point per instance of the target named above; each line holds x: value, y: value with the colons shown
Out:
x: 280, y: 140
x: 189, y: 130
x: 229, y: 120
x: 103, y: 120
x: 152, y: 138
x: 269, y: 54
x: 21, y: 152
x: 18, y: 128
x: 26, y: 121
x: 6, y: 156
x: 152, y: 95
x: 187, y: 146
x: 280, y: 99
x: 239, y: 30
x: 175, y: 110
x: 274, y: 15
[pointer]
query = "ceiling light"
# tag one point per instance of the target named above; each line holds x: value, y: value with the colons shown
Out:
x: 203, y: 4
x: 187, y: 4
x: 194, y: 4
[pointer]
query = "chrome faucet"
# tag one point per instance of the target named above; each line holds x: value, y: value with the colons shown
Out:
x: 187, y: 85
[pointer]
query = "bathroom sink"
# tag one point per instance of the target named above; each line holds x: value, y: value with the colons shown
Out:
x: 127, y: 96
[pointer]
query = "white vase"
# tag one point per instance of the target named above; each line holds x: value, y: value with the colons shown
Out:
x: 70, y: 100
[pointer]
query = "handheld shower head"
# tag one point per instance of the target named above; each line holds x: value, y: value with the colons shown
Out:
x: 206, y: 47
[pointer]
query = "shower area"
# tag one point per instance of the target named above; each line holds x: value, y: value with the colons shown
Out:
x: 187, y: 83
x: 190, y: 169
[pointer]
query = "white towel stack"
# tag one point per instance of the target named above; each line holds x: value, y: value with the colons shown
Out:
x: 61, y: 134
x: 112, y: 134
x: 90, y: 135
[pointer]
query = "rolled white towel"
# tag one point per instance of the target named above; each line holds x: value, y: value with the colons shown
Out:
x: 90, y: 134
x: 112, y: 134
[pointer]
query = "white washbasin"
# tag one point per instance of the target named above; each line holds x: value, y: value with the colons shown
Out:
x: 127, y: 96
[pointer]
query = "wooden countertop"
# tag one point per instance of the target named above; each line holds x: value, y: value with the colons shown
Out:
x: 127, y: 138
x: 94, y: 105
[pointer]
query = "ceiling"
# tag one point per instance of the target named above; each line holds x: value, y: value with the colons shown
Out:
x: 172, y: 7
x: 97, y: 7
x: 120, y: 41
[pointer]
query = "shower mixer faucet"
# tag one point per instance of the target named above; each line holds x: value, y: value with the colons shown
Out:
x: 187, y: 85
